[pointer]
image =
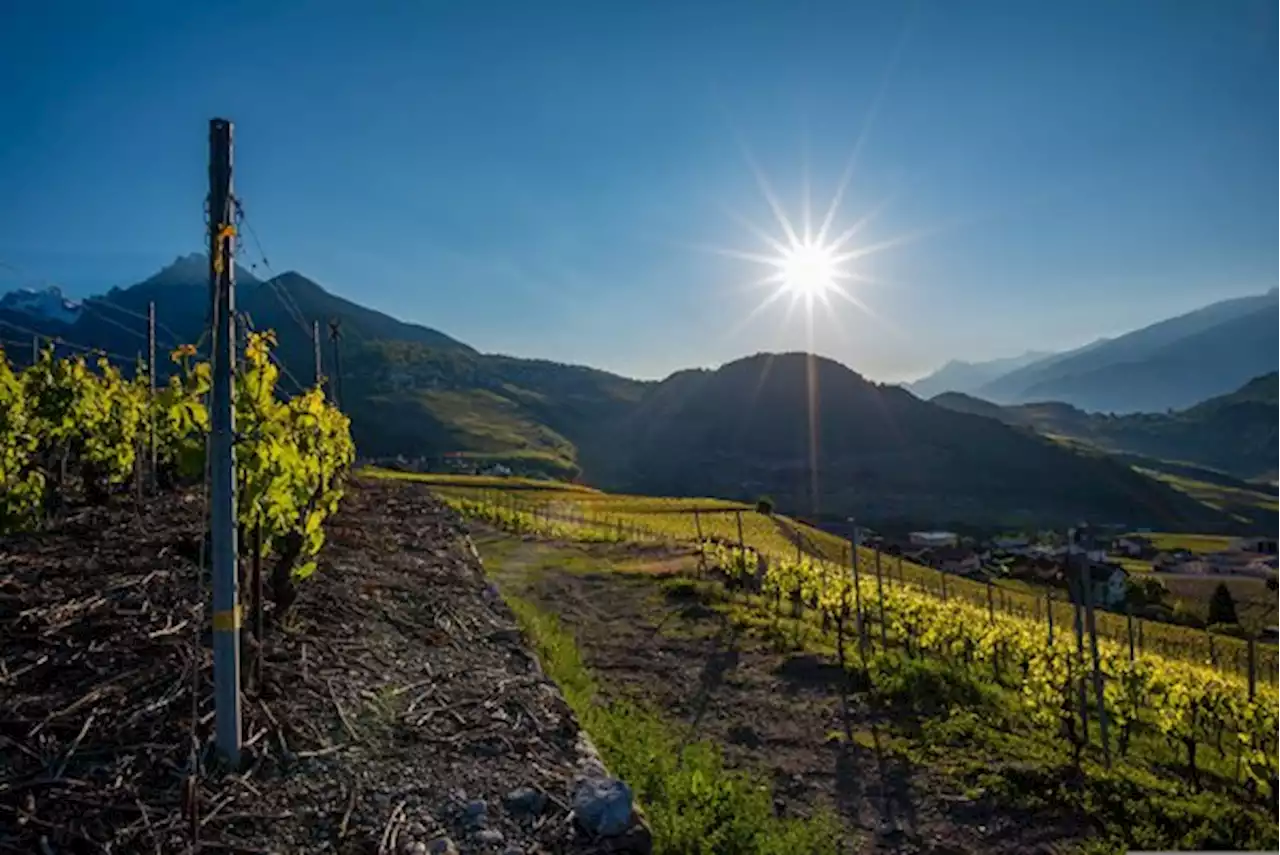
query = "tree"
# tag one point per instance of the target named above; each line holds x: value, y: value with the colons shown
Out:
x: 764, y: 505
x: 1222, y: 606
x: 1143, y: 590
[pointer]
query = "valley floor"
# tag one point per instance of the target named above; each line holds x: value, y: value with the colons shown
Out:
x: 648, y: 637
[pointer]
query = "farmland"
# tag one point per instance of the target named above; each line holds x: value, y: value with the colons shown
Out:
x: 604, y: 579
x: 776, y: 536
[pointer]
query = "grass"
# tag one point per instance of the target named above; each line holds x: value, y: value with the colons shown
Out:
x: 1255, y: 602
x: 474, y: 482
x: 693, y: 802
x: 1198, y: 543
x: 1244, y: 504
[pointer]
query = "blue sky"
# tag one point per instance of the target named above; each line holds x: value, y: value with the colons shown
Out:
x: 545, y: 179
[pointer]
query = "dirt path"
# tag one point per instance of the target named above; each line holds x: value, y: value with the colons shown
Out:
x: 781, y: 711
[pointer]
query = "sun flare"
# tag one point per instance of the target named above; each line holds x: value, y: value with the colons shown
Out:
x: 809, y: 270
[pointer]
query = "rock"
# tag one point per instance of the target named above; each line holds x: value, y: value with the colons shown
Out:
x: 524, y: 800
x: 475, y: 814
x: 636, y: 840
x: 414, y: 847
x: 602, y: 806
x: 489, y: 836
x: 513, y: 850
x: 442, y: 846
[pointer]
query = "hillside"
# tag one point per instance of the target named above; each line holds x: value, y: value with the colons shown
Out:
x: 1233, y: 433
x: 881, y: 454
x: 1168, y: 365
x: 411, y: 389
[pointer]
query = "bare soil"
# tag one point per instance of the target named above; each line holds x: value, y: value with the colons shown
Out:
x: 397, y: 693
x: 789, y: 713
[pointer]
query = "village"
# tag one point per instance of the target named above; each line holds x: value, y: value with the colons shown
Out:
x: 1135, y: 570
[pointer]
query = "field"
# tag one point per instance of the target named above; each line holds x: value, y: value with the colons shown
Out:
x: 1247, y: 506
x: 778, y: 537
x: 912, y: 743
x: 1255, y: 602
x: 1197, y: 543
x: 473, y: 482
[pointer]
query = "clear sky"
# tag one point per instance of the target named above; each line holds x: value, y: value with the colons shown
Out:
x: 545, y: 178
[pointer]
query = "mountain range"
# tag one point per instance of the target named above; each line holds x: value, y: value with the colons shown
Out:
x: 748, y: 428
x: 1170, y: 365
x: 960, y: 376
x: 1234, y: 434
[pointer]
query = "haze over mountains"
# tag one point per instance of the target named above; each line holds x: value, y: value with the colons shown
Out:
x: 741, y: 431
x: 960, y: 376
x: 1170, y: 365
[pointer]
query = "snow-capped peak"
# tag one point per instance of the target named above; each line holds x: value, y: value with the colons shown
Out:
x: 44, y: 303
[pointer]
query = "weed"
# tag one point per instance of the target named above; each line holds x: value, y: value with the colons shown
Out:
x: 695, y: 804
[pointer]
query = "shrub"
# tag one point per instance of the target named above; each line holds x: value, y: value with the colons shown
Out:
x: 1222, y: 606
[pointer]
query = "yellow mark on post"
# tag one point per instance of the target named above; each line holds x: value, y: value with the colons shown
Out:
x: 227, y: 620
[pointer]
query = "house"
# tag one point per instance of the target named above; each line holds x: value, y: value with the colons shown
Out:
x: 1014, y: 545
x: 1133, y: 546
x: 1037, y: 568
x: 1168, y: 562
x: 1242, y: 564
x: 952, y: 559
x: 933, y: 538
x: 1192, y: 567
x: 1262, y: 544
x: 1109, y: 584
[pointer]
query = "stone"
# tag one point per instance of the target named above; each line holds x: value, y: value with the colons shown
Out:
x: 602, y: 806
x: 442, y: 846
x: 475, y: 814
x: 489, y: 836
x: 524, y: 800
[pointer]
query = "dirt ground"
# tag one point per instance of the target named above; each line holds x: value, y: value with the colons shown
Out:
x: 400, y: 705
x: 785, y: 712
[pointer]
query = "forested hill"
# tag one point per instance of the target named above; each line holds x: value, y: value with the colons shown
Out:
x: 751, y: 428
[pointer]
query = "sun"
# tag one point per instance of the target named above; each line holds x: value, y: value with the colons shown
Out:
x: 809, y: 270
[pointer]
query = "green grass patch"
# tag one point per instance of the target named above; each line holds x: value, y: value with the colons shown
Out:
x: 694, y: 803
x: 1200, y: 543
x: 477, y: 482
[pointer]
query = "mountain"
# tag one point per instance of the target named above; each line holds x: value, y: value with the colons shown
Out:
x: 739, y: 431
x: 1167, y: 365
x: 958, y: 376
x: 45, y: 303
x: 881, y: 453
x: 410, y: 389
x: 1234, y: 433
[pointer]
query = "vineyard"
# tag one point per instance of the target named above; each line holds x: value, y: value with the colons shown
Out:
x: 778, y: 538
x: 72, y: 435
x: 1194, y: 708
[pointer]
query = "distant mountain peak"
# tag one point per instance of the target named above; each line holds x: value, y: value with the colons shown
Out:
x: 192, y: 269
x: 958, y: 375
x: 48, y: 303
